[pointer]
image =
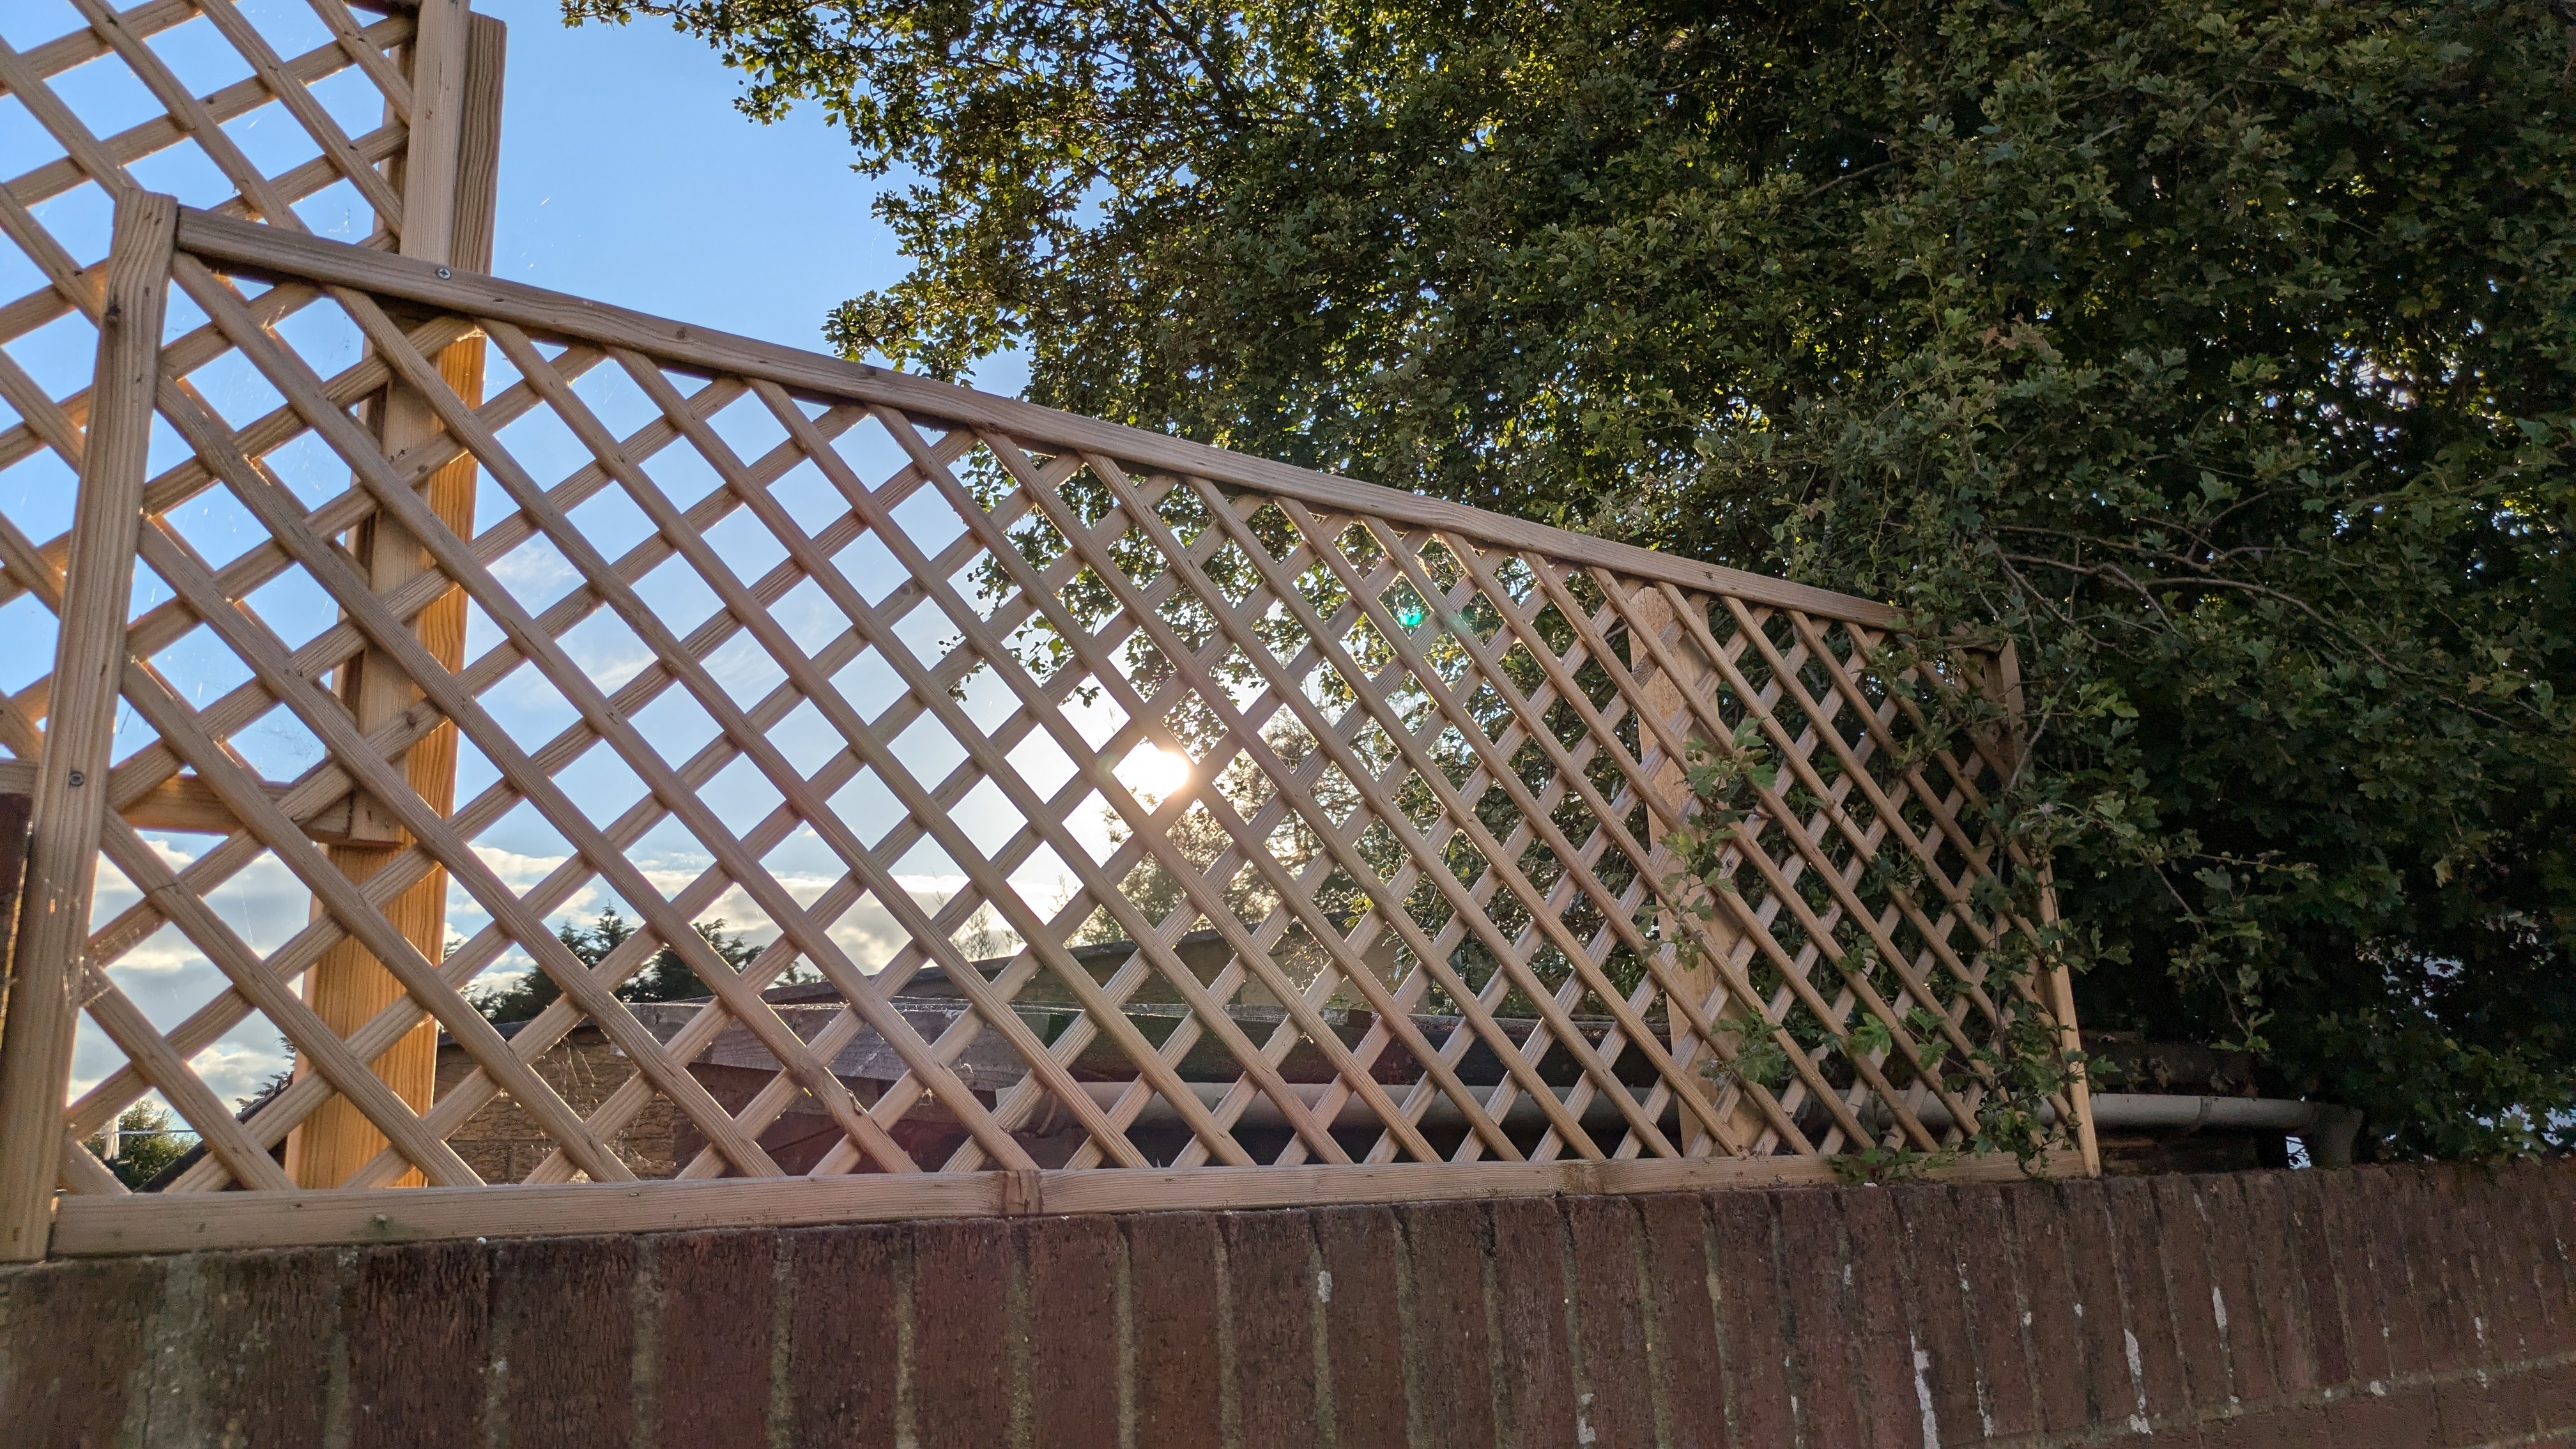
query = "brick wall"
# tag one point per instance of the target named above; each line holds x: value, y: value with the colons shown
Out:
x: 2379, y: 1307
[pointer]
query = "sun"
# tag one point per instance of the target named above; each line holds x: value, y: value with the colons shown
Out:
x: 1153, y: 770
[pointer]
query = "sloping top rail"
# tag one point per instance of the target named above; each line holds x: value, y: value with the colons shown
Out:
x: 1121, y: 822
x: 258, y: 251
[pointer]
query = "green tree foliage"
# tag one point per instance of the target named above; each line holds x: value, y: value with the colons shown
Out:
x: 2220, y: 354
x: 148, y: 1142
x: 664, y: 978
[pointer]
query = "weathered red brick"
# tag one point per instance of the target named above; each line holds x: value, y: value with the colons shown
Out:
x: 2499, y: 1256
x: 711, y: 1337
x: 1752, y: 1317
x: 2546, y: 1306
x: 265, y: 1355
x: 2348, y: 1199
x: 841, y: 1336
x: 1936, y: 1291
x: 2038, y: 1238
x: 2150, y: 1316
x: 2231, y: 1228
x: 72, y: 1347
x: 2554, y: 1222
x: 1364, y: 1325
x: 2281, y: 1290
x: 961, y: 1283
x: 2463, y: 1296
x: 569, y: 1304
x: 1072, y: 1330
x: 1534, y: 1350
x: 1995, y: 1305
x: 2517, y: 1403
x: 1172, y: 1272
x: 2201, y: 1290
x: 2428, y: 1270
x: 2112, y: 1389
x: 1270, y: 1277
x: 2505, y: 1251
x: 2313, y: 1252
x: 415, y: 1319
x: 2553, y: 1397
x: 2399, y: 1419
x: 2293, y: 1426
x: 1684, y: 1321
x: 1882, y: 1329
x: 1448, y: 1349
x: 1609, y: 1244
x: 1816, y: 1271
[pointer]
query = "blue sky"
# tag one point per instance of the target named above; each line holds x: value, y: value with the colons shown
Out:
x: 627, y: 175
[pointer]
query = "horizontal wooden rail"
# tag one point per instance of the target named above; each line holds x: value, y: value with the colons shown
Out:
x: 186, y: 803
x: 266, y: 251
x: 102, y: 1226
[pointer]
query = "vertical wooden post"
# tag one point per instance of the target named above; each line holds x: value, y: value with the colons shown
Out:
x: 449, y: 176
x: 2003, y: 686
x: 70, y: 809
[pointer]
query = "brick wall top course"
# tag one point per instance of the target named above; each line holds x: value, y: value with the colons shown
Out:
x: 2376, y: 1307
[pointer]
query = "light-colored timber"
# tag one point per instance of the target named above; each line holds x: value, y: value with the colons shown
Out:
x: 49, y: 959
x: 107, y: 1227
x: 449, y: 179
x: 1291, y: 840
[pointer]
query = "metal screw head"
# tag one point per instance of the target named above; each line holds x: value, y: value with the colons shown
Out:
x: 78, y: 779
x: 444, y: 274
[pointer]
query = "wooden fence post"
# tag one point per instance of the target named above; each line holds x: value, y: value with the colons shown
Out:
x: 449, y: 176
x: 2003, y: 685
x: 70, y: 809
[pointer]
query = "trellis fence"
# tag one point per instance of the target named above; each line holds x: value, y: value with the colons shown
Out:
x: 1124, y: 823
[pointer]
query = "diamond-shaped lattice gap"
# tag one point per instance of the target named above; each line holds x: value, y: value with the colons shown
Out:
x: 872, y: 686
x: 745, y: 670
x: 748, y: 426
x: 528, y: 708
x: 871, y: 568
x: 601, y: 783
x: 323, y: 334
x: 987, y: 817
x: 611, y: 522
x: 928, y: 634
x: 615, y: 399
x: 868, y: 807
x: 1040, y: 761
x: 809, y: 616
x: 927, y: 520
x: 57, y: 355
x: 200, y: 667
x: 216, y: 525
x: 277, y: 745
x: 237, y: 391
x: 806, y: 738
x: 809, y: 498
x: 606, y: 651
x: 928, y: 750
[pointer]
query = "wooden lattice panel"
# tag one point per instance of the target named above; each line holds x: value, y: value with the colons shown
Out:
x: 290, y: 117
x: 1320, y: 828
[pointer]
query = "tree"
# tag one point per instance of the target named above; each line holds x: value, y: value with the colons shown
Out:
x: 2221, y: 356
x: 147, y: 1143
x: 664, y: 978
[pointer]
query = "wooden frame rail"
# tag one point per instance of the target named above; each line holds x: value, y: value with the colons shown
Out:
x: 1269, y: 811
